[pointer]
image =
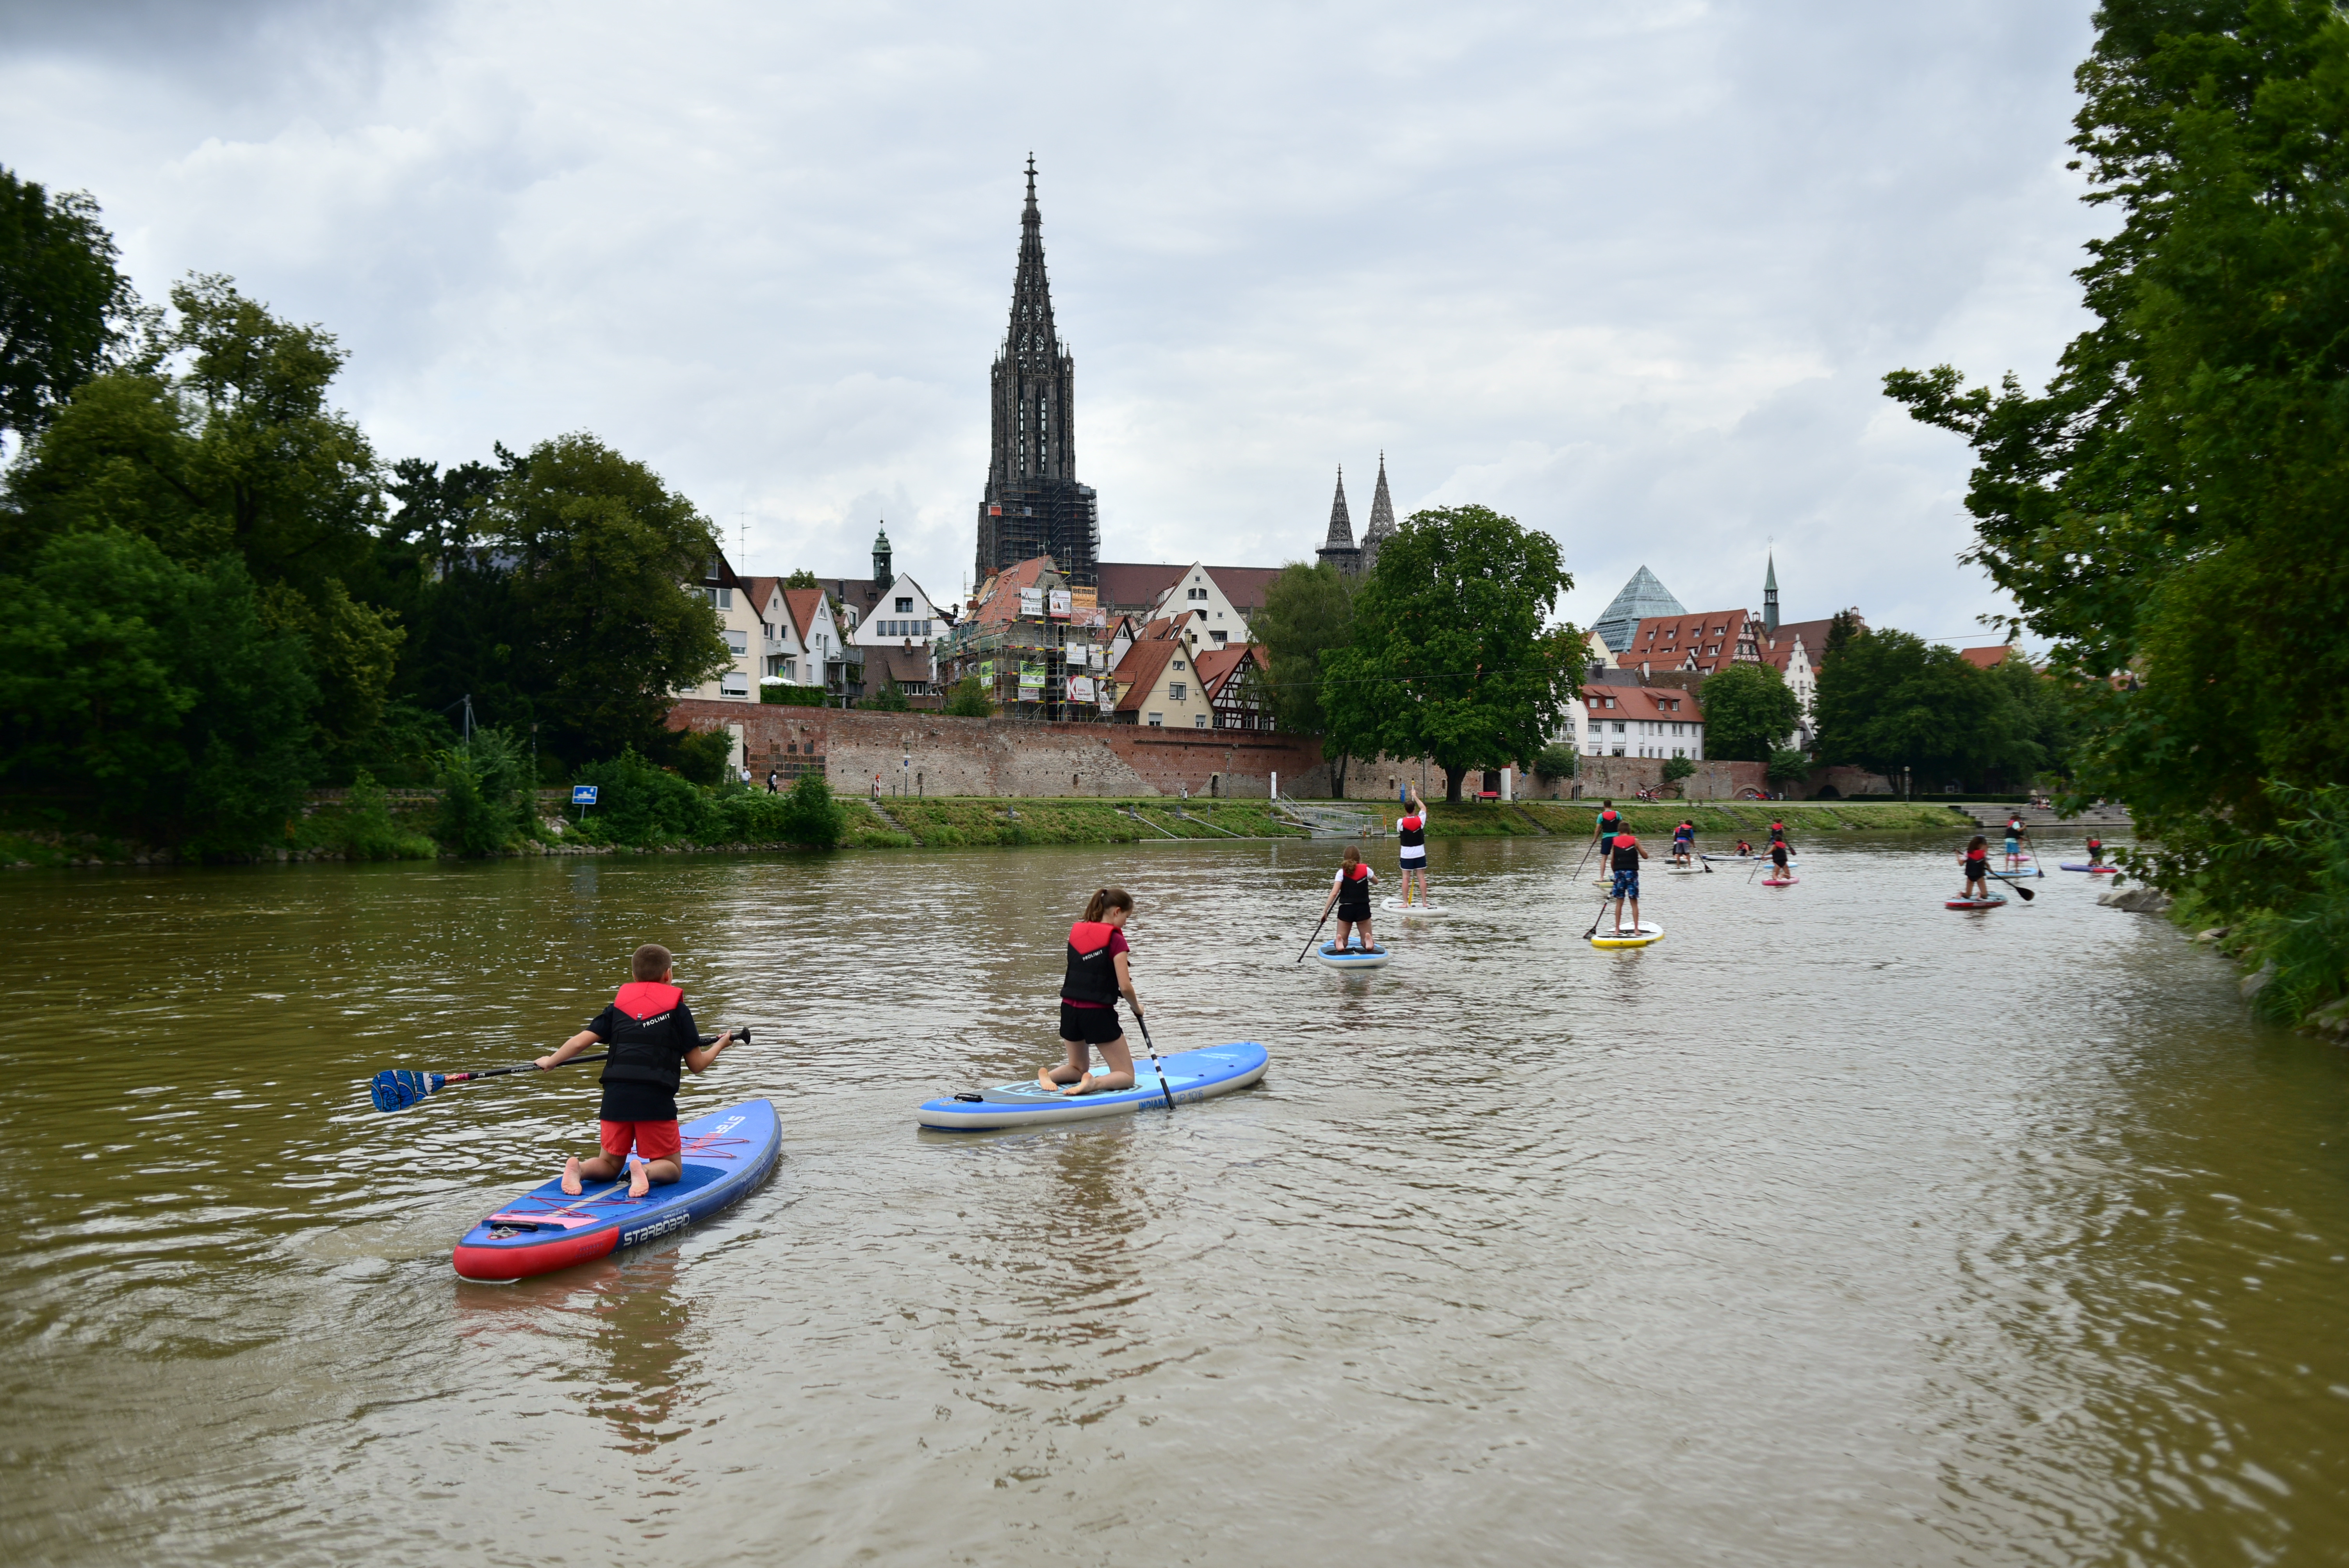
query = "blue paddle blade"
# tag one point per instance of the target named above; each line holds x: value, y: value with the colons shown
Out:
x: 399, y: 1090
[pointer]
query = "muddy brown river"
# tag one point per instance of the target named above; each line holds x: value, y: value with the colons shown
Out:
x: 1835, y: 1228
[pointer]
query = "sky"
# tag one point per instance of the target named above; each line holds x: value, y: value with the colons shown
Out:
x: 1629, y: 273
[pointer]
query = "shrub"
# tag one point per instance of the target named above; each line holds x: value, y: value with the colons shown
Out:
x: 1678, y: 769
x: 641, y: 805
x: 1788, y: 766
x: 366, y: 830
x: 971, y: 699
x: 1555, y: 761
x: 812, y: 817
x: 792, y: 695
x: 890, y: 698
x: 483, y: 799
x: 755, y: 817
x: 702, y: 754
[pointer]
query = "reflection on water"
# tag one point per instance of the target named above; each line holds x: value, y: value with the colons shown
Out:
x: 1833, y: 1229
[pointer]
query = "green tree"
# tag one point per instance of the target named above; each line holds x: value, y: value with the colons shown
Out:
x: 2170, y: 504
x: 816, y: 819
x: 1308, y: 613
x: 803, y: 578
x: 969, y: 699
x: 484, y: 793
x: 1789, y: 766
x: 1555, y: 761
x: 889, y: 698
x: 1677, y: 769
x: 219, y: 439
x: 63, y: 306
x: 1748, y: 710
x: 1451, y: 659
x: 150, y: 698
x: 1895, y: 703
x: 606, y: 629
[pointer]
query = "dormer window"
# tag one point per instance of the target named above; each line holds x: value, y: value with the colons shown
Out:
x: 904, y: 606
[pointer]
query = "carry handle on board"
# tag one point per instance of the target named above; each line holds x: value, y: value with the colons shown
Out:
x: 397, y: 1091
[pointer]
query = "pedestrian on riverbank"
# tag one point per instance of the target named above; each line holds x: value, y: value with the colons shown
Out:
x: 774, y: 778
x: 1099, y: 973
x: 1349, y: 894
x: 650, y: 1033
x: 1624, y: 854
x: 1411, y: 834
x: 1974, y: 860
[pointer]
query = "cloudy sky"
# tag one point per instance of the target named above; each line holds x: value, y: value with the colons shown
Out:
x: 1629, y: 273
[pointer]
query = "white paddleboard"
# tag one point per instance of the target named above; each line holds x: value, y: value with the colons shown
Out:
x: 1399, y: 907
x: 1646, y: 932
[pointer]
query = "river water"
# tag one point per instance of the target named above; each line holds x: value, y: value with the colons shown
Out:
x: 1835, y: 1228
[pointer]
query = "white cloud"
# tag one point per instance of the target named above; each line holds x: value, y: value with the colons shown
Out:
x: 1630, y: 274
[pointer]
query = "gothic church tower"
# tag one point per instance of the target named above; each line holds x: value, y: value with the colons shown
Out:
x: 1034, y: 505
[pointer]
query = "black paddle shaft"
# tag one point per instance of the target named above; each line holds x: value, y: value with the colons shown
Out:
x: 741, y: 1037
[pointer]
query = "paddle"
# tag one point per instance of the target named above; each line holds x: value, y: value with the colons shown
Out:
x: 2027, y: 894
x: 1154, y: 1062
x: 1316, y: 932
x: 397, y: 1091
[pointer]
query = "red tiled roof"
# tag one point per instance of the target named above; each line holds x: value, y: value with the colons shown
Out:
x: 803, y: 603
x: 1667, y: 702
x: 1779, y: 652
x: 1002, y: 602
x: 1702, y: 642
x: 1137, y: 674
x: 1217, y: 665
x: 1987, y: 658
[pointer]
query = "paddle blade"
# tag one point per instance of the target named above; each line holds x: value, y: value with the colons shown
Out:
x: 399, y: 1090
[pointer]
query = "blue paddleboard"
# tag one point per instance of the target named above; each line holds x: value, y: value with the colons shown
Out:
x: 725, y: 1155
x: 1192, y: 1075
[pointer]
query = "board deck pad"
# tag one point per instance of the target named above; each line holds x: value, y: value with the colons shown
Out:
x: 725, y: 1154
x: 1397, y: 906
x: 1191, y: 1077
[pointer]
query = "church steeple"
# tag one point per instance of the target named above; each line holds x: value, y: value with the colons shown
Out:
x: 1338, y: 549
x: 1770, y: 598
x: 882, y: 576
x: 1034, y: 505
x: 1382, y: 522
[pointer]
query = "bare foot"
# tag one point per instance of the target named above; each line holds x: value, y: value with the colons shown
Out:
x: 571, y: 1188
x: 1083, y: 1086
x: 639, y: 1184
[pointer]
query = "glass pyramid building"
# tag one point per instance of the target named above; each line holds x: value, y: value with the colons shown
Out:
x: 1642, y: 598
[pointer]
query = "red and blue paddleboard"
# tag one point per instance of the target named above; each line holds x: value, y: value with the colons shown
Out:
x: 725, y: 1155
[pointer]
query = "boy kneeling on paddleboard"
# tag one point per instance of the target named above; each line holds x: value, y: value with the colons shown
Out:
x: 651, y: 1035
x: 1099, y: 973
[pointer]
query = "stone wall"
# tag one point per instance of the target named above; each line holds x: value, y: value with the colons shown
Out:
x: 931, y: 754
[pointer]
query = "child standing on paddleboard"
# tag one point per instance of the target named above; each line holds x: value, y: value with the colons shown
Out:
x: 1683, y: 841
x: 1099, y: 974
x: 651, y: 1035
x: 1975, y: 863
x: 2096, y: 851
x: 1411, y: 830
x: 1624, y: 855
x: 1350, y: 891
x: 2015, y: 835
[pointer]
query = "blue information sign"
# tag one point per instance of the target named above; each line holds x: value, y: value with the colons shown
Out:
x: 582, y: 794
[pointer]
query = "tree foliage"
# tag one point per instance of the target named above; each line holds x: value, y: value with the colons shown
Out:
x: 969, y: 699
x: 63, y: 306
x: 1308, y: 613
x: 1892, y: 703
x: 1453, y: 657
x: 1749, y: 710
x: 2169, y: 509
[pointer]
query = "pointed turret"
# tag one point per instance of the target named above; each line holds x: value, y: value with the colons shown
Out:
x: 1382, y: 522
x: 1338, y: 549
x: 882, y: 577
x: 1770, y: 598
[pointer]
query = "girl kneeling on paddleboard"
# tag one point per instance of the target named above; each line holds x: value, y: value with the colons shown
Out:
x: 1098, y: 975
x: 1350, y: 892
x: 1975, y: 862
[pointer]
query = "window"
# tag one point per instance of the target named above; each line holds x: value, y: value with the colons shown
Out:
x: 1197, y: 594
x: 1179, y: 664
x: 1198, y: 721
x: 733, y: 683
x: 1221, y: 637
x: 1157, y: 721
x: 904, y: 606
x: 737, y: 641
x: 1174, y: 691
x: 726, y: 598
x: 1619, y: 729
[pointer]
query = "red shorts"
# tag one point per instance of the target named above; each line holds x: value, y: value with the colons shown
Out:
x: 653, y: 1140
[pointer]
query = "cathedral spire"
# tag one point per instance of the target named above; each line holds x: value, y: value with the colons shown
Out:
x: 1338, y: 549
x: 1770, y: 598
x: 1382, y: 522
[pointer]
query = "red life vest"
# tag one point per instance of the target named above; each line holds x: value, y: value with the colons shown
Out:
x: 1092, y: 971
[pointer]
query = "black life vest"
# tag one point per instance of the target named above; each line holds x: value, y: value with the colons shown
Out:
x: 1092, y: 969
x: 1777, y: 833
x: 1411, y: 831
x: 641, y: 1052
x: 1354, y: 892
x: 1608, y: 824
x: 1626, y: 850
x: 2014, y: 827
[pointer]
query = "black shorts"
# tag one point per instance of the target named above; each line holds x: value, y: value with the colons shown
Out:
x: 1089, y: 1025
x: 1357, y: 913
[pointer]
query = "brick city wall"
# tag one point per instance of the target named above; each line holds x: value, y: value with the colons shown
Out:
x: 1626, y: 776
x: 932, y: 754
